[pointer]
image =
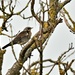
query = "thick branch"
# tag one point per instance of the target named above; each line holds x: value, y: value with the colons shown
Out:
x: 2, y: 52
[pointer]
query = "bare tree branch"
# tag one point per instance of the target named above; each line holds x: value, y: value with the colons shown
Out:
x: 33, y: 13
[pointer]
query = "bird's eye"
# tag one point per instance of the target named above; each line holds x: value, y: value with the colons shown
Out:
x: 29, y: 28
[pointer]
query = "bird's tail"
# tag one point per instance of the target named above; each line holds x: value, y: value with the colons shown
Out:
x: 6, y: 45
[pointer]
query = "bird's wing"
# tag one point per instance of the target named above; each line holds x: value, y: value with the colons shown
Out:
x: 20, y: 36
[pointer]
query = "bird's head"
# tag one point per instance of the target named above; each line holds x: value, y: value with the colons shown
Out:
x: 27, y: 28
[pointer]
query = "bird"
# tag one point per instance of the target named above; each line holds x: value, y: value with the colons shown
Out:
x: 22, y: 38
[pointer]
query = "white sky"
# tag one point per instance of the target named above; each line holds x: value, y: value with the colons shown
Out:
x: 58, y: 42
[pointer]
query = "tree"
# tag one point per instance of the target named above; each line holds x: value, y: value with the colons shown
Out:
x: 39, y: 41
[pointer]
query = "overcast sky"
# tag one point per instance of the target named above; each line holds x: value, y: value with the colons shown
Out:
x: 58, y: 42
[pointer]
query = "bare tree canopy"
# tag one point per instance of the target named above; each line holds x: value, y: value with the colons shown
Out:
x: 48, y: 14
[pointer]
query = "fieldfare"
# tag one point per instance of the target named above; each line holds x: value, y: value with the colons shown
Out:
x: 22, y: 38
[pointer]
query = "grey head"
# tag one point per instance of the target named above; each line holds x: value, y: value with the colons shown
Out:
x: 27, y: 28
